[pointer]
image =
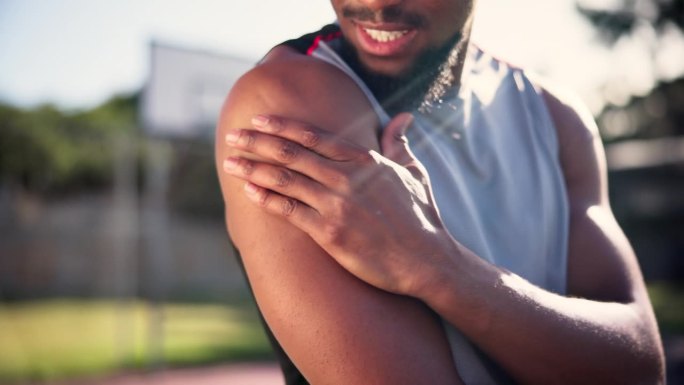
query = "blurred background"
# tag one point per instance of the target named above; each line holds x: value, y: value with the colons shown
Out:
x: 113, y: 251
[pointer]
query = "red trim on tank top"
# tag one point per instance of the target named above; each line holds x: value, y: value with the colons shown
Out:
x: 319, y: 38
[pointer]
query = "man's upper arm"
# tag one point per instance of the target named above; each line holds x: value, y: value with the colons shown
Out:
x: 601, y: 263
x: 335, y: 328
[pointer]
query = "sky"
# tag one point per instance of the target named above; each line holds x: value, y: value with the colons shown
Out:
x: 78, y: 53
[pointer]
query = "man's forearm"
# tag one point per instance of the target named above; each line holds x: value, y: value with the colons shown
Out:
x: 540, y: 337
x: 386, y: 231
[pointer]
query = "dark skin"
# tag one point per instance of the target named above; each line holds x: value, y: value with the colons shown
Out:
x: 605, y: 321
x: 333, y: 196
x: 336, y: 328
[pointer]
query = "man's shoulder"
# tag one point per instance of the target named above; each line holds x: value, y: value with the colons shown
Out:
x: 284, y: 71
x: 286, y: 80
x: 289, y: 69
x: 574, y: 125
x: 580, y: 148
x: 304, y: 88
x: 572, y: 118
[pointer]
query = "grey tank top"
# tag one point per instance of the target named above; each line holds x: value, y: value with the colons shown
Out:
x: 491, y: 152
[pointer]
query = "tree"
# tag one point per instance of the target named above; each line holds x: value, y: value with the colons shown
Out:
x: 654, y: 23
x: 628, y: 14
x: 47, y: 150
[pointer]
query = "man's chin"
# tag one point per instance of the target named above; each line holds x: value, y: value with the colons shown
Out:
x: 399, y: 83
x: 386, y: 68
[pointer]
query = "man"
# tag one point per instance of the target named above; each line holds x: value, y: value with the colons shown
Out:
x: 495, y: 259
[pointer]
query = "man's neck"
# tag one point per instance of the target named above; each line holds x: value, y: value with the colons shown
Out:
x: 420, y: 89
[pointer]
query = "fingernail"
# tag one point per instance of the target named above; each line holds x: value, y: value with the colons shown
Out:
x: 250, y: 189
x: 401, y: 138
x: 229, y: 164
x: 260, y: 121
x: 232, y: 137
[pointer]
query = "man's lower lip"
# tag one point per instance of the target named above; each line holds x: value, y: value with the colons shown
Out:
x: 387, y: 48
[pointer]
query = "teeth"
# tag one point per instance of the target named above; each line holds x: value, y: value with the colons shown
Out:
x: 384, y: 36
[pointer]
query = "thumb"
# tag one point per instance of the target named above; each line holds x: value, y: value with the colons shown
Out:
x: 395, y: 147
x: 394, y: 143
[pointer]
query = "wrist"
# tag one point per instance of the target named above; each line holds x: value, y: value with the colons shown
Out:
x: 438, y: 273
x: 459, y: 288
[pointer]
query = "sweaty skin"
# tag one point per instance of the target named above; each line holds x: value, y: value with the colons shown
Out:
x: 336, y: 328
x: 347, y: 328
x: 603, y: 332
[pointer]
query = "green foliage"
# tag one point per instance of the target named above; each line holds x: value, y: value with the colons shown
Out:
x: 626, y: 15
x: 47, y: 150
x: 58, y: 339
x: 668, y: 304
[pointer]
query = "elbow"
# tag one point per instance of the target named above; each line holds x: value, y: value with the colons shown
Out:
x: 653, y: 371
x: 649, y: 366
x: 653, y: 355
x: 638, y: 361
x: 647, y: 353
x: 648, y: 361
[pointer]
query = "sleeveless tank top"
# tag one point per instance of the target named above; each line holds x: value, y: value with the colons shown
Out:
x: 491, y: 153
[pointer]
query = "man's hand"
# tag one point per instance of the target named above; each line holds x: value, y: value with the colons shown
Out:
x: 374, y: 214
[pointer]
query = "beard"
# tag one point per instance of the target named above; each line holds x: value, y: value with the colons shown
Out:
x: 421, y: 87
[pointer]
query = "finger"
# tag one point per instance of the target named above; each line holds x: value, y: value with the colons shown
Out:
x: 285, y: 152
x: 394, y: 143
x: 270, y: 147
x: 296, y: 212
x: 395, y: 146
x: 279, y: 179
x: 320, y: 141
